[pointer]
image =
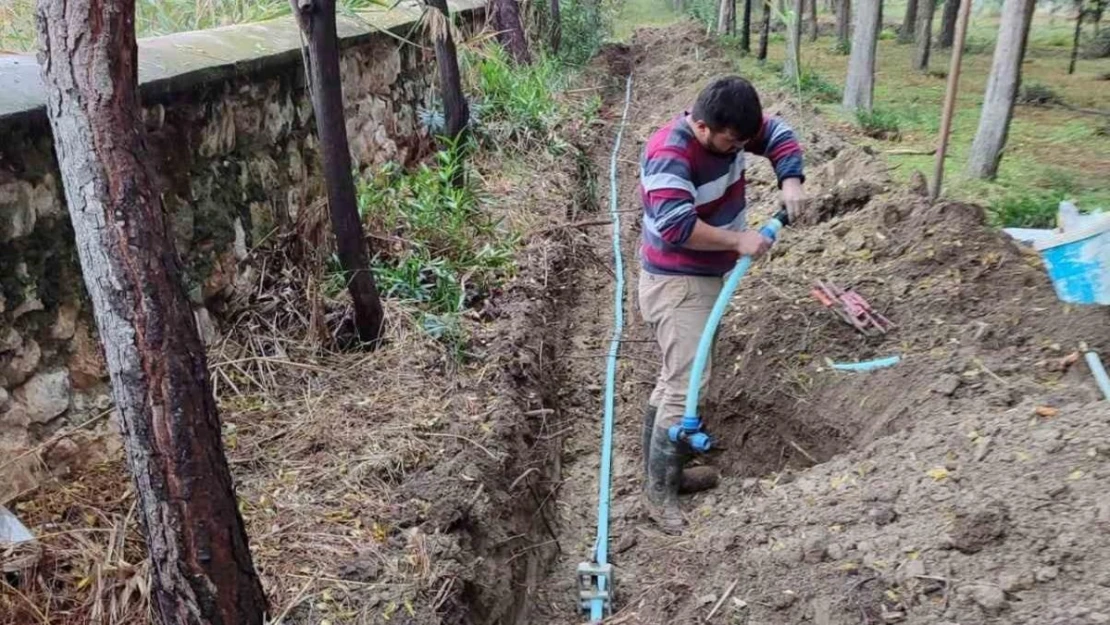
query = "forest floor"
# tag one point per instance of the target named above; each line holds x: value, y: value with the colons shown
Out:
x: 965, y: 485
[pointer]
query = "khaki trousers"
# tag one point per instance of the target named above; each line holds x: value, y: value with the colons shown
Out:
x: 676, y: 308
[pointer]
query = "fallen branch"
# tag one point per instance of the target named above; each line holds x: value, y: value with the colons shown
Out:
x: 721, y: 601
x: 1068, y: 107
x: 911, y: 152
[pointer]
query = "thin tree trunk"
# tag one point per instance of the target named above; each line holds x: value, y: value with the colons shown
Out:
x: 726, y: 17
x: 860, y: 83
x: 1002, y: 89
x: 556, y: 27
x: 201, y: 569
x: 317, y: 21
x: 813, y: 26
x: 924, y: 36
x: 843, y: 24
x: 746, y: 28
x: 1078, y: 31
x: 909, y: 22
x: 791, y: 68
x: 948, y: 24
x: 764, y: 31
x: 456, y: 111
x: 510, y: 32
x: 732, y: 18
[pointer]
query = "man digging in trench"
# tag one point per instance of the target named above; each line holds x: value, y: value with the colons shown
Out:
x: 694, y: 230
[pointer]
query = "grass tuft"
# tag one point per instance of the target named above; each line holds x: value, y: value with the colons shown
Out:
x: 880, y: 124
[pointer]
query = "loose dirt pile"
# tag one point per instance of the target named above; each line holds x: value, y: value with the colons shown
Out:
x: 960, y: 486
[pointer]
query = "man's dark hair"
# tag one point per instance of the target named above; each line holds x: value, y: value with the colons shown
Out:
x: 730, y: 103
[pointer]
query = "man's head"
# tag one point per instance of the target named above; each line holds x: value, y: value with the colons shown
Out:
x: 726, y: 115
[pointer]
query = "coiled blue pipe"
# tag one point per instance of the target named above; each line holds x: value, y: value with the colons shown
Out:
x: 601, y: 547
x: 690, y: 428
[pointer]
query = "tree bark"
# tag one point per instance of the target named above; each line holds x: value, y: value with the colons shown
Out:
x: 1078, y: 31
x: 843, y: 24
x: 924, y: 36
x: 860, y: 83
x: 726, y: 17
x: 556, y: 27
x: 1002, y: 89
x: 909, y: 22
x: 456, y: 111
x: 764, y: 31
x: 948, y: 24
x: 317, y: 20
x: 201, y: 569
x: 746, y: 28
x: 510, y: 32
x: 813, y: 26
x: 791, y: 68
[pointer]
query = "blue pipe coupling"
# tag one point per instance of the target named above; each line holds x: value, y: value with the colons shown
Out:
x: 689, y: 432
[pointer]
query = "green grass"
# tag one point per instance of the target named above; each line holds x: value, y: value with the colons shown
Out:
x: 1051, y: 152
x: 162, y: 17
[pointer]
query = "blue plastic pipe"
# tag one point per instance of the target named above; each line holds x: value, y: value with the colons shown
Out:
x: 690, y: 428
x: 870, y: 365
x: 601, y: 547
x: 1099, y: 372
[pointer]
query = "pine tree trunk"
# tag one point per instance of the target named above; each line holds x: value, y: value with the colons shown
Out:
x: 726, y: 17
x: 317, y: 21
x: 860, y: 83
x: 746, y: 28
x: 924, y: 36
x: 764, y: 31
x: 456, y: 111
x: 843, y: 24
x: 1078, y: 31
x: 556, y: 27
x: 732, y: 18
x: 813, y: 26
x: 510, y: 32
x: 791, y: 69
x: 201, y: 570
x: 909, y: 22
x: 1002, y: 89
x: 948, y: 24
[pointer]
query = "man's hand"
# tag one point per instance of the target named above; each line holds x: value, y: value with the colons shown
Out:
x: 751, y: 243
x: 794, y: 198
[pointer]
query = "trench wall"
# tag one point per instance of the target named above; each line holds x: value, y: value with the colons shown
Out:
x: 230, y: 130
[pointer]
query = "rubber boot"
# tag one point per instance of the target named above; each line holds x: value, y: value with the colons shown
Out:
x: 645, y: 436
x: 664, y: 478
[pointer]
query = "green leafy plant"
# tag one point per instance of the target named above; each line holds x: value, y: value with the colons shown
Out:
x: 1027, y: 209
x: 817, y: 87
x: 879, y: 124
x: 516, y: 104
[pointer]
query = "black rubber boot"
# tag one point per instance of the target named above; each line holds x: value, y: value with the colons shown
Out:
x: 645, y: 437
x: 664, y: 478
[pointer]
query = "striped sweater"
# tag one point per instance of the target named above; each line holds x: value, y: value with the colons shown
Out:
x: 681, y: 182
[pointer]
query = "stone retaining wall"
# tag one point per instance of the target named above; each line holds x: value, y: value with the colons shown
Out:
x: 230, y: 128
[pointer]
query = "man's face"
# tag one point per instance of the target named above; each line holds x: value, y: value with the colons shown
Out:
x: 722, y: 142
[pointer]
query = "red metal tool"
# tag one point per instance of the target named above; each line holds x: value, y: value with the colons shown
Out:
x: 852, y: 308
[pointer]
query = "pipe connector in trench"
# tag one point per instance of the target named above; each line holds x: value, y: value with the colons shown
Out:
x: 689, y: 430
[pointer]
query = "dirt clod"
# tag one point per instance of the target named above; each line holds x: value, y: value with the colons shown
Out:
x: 974, y: 530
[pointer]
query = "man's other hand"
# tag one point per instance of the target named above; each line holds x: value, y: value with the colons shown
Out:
x: 794, y: 198
x: 751, y: 243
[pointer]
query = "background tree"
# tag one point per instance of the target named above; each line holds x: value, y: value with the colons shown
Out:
x: 746, y: 28
x: 726, y: 17
x: 1002, y: 89
x: 556, y: 26
x: 791, y: 68
x: 510, y: 32
x: 317, y: 21
x: 909, y: 23
x: 1079, y: 14
x: 924, y: 36
x: 764, y: 31
x: 843, y: 24
x: 813, y: 26
x: 948, y: 24
x: 859, y: 86
x: 201, y: 569
x: 456, y: 111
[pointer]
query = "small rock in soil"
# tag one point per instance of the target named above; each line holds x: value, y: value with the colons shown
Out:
x: 947, y: 384
x: 1046, y: 574
x: 912, y: 569
x: 1015, y: 582
x: 784, y: 600
x: 625, y: 543
x: 882, y: 515
x: 815, y: 548
x: 977, y: 529
x: 987, y: 596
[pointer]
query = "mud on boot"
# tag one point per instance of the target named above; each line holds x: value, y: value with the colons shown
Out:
x: 664, y: 478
